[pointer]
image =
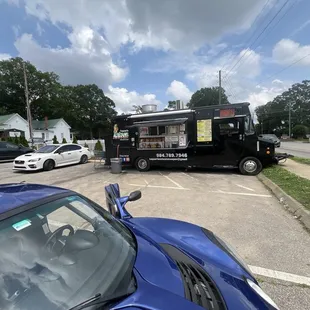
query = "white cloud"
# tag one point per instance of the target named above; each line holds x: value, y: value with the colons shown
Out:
x: 288, y: 51
x: 161, y: 24
x: 124, y: 99
x: 4, y: 56
x: 86, y: 61
x: 179, y: 91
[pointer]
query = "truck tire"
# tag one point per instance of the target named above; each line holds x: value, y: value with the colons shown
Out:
x: 250, y: 166
x: 142, y: 164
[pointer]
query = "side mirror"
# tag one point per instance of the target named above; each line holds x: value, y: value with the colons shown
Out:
x: 135, y: 196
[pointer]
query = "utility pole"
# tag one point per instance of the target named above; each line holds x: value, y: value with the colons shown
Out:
x: 28, y: 105
x: 220, y: 86
x: 289, y: 120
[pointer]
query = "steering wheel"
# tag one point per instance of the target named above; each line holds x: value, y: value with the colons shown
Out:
x: 57, y: 234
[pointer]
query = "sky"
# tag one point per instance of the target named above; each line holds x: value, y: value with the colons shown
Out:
x: 147, y: 51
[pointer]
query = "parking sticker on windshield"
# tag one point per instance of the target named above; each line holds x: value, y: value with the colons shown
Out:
x: 21, y: 225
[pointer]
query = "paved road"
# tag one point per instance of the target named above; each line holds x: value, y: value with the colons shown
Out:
x: 295, y: 148
x: 237, y: 208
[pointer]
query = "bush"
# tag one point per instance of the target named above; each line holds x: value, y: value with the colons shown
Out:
x: 9, y: 139
x: 98, y: 146
x: 299, y: 131
x: 23, y: 141
x: 55, y: 141
x: 16, y: 140
x: 64, y: 141
x: 75, y: 140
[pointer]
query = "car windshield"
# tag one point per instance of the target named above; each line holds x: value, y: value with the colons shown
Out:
x: 47, y: 149
x: 271, y: 136
x: 58, y: 254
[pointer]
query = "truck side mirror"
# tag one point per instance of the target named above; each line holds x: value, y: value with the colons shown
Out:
x: 136, y: 195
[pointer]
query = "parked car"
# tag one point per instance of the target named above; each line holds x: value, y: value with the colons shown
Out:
x: 271, y: 138
x: 50, y: 156
x: 9, y: 151
x: 60, y: 250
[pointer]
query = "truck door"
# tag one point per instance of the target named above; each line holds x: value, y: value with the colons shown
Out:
x: 228, y: 140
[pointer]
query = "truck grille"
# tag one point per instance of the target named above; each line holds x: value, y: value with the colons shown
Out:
x: 198, y: 286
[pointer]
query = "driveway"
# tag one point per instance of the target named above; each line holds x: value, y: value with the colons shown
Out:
x: 238, y: 208
x: 299, y: 149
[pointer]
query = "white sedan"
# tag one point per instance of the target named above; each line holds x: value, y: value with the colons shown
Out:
x: 50, y: 156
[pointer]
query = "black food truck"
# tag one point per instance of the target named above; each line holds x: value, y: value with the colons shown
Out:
x: 206, y: 137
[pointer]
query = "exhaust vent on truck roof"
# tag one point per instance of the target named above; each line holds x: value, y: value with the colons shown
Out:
x: 149, y: 108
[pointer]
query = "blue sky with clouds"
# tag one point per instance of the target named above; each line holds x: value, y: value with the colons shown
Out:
x: 155, y: 51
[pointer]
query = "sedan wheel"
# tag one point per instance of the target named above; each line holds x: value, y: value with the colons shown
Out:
x: 49, y: 165
x: 84, y: 159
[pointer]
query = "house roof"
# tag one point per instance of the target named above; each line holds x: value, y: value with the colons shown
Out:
x: 37, y: 125
x: 5, y: 118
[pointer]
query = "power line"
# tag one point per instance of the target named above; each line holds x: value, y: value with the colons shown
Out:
x: 232, y: 58
x: 274, y: 26
x: 261, y: 33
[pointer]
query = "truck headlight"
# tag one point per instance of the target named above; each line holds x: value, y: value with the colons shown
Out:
x: 34, y: 160
x: 261, y: 293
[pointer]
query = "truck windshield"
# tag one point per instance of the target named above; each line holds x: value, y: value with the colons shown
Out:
x: 249, y: 126
x: 58, y: 254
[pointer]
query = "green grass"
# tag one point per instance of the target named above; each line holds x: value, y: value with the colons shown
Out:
x: 293, y: 185
x: 301, y: 160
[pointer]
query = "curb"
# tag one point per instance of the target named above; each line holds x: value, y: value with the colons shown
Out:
x: 289, y: 203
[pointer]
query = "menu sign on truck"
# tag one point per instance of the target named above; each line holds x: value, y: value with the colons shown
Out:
x: 204, y: 130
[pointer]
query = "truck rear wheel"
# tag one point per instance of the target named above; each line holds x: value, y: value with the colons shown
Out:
x: 250, y: 166
x: 143, y: 164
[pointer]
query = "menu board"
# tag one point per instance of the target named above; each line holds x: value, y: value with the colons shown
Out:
x: 204, y: 130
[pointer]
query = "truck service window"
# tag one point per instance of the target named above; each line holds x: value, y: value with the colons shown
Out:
x: 170, y: 136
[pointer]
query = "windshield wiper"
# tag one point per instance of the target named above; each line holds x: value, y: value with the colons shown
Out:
x: 97, y: 300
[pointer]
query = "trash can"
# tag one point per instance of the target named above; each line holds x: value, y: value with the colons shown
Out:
x: 116, y: 165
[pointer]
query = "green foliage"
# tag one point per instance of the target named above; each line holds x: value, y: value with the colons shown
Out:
x: 299, y: 131
x: 98, y: 146
x: 23, y: 141
x: 55, y: 141
x: 16, y: 140
x: 9, y: 139
x: 137, y: 109
x: 207, y: 97
x: 64, y: 141
x: 84, y: 107
x: 274, y: 116
x: 75, y: 140
x: 301, y: 160
x: 295, y: 186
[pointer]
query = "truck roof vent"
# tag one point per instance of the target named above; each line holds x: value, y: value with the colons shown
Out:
x: 149, y: 108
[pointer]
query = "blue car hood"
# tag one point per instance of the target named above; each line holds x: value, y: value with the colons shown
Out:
x: 159, y: 282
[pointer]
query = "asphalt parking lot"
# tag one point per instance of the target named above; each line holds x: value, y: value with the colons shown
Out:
x: 238, y: 208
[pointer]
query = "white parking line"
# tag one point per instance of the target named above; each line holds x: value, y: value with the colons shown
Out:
x: 279, y: 275
x: 168, y: 187
x: 188, y: 175
x: 247, y: 188
x: 175, y: 183
x: 241, y: 194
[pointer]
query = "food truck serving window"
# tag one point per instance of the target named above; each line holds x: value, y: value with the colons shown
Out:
x: 162, y: 134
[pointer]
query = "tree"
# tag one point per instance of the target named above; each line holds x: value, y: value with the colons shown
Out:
x: 207, y: 97
x: 64, y: 141
x: 274, y: 116
x: 23, y: 141
x: 55, y: 140
x: 299, y: 131
x: 42, y: 86
x: 75, y: 140
x: 98, y: 146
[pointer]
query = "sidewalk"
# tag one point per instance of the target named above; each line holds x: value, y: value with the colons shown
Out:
x: 301, y: 170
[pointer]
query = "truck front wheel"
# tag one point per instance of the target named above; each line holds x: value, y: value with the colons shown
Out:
x: 143, y: 164
x: 250, y: 166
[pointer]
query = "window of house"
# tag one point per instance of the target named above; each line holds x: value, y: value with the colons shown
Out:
x: 43, y: 136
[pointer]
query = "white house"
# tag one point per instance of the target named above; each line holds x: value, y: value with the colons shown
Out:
x: 14, y: 121
x: 42, y: 130
x: 47, y: 129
